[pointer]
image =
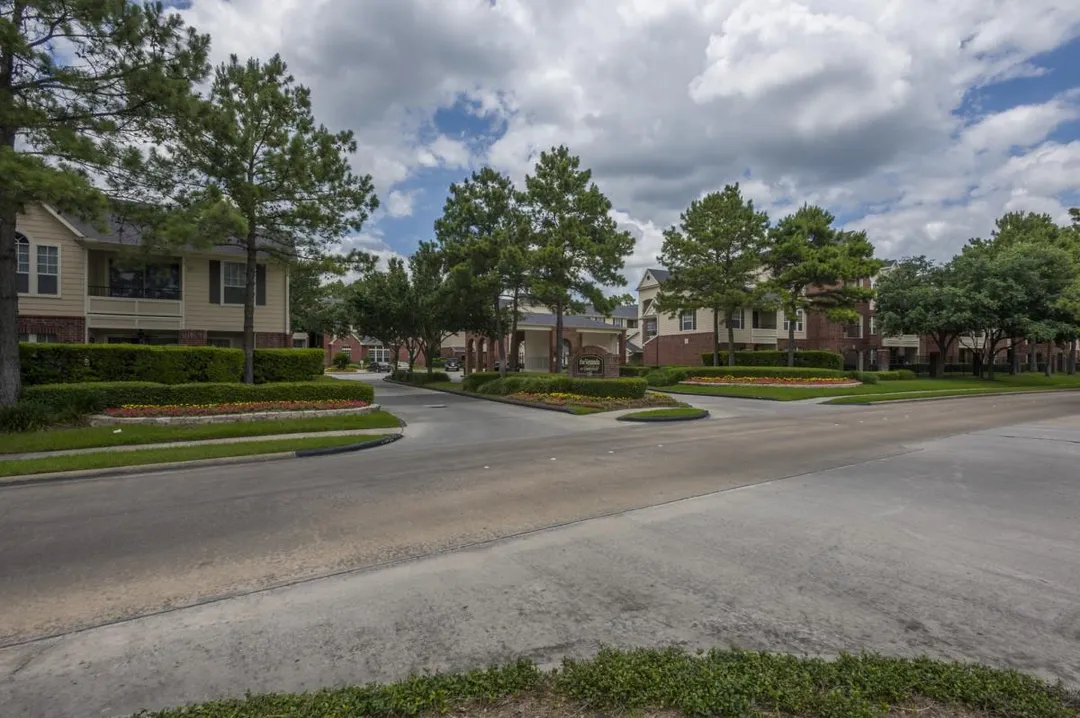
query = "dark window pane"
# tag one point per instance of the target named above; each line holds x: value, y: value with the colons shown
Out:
x: 234, y: 295
x: 22, y: 283
x: 46, y: 284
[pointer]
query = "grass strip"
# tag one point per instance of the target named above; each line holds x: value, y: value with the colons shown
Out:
x: 93, y: 437
x: 113, y: 459
x: 914, y: 387
x: 719, y: 682
x: 944, y: 394
x: 679, y: 412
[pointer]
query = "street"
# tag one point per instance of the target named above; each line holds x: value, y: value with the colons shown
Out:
x: 947, y: 528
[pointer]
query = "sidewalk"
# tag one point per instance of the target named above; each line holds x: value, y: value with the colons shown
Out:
x: 204, y: 442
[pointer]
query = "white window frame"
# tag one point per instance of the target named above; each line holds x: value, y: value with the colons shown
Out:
x: 873, y: 326
x: 23, y: 242
x: 33, y: 338
x: 692, y: 316
x: 224, y: 284
x: 379, y: 354
x: 741, y: 324
x: 655, y: 328
x: 32, y: 265
x: 798, y: 322
x: 38, y: 273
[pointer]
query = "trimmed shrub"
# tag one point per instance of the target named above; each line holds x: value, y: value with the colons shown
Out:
x: 78, y: 363
x: 666, y: 376
x: 780, y: 372
x: 25, y: 416
x: 419, y: 377
x: 474, y: 381
x: 95, y: 396
x: 896, y: 375
x: 74, y: 363
x: 632, y: 371
x: 866, y: 377
x: 437, y: 363
x: 341, y: 360
x: 807, y: 358
x: 558, y: 384
x: 275, y: 365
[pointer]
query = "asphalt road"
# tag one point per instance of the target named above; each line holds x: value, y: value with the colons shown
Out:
x: 966, y: 547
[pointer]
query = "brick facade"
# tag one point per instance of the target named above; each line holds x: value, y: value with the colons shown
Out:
x: 69, y: 330
x: 193, y: 337
x: 272, y: 340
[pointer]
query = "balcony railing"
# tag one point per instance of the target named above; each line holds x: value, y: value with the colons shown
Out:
x: 167, y: 293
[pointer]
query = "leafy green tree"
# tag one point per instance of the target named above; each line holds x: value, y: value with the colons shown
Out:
x: 918, y: 296
x: 317, y: 289
x: 380, y: 305
x: 249, y: 167
x: 815, y: 268
x: 714, y: 257
x: 578, y: 247
x: 485, y: 236
x: 78, y: 80
x: 624, y: 300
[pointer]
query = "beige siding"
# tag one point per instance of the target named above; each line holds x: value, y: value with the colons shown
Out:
x: 40, y: 227
x: 199, y: 313
x: 668, y: 325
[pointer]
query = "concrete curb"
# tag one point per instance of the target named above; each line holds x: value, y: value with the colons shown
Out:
x: 973, y: 395
x: 664, y: 419
x: 63, y: 476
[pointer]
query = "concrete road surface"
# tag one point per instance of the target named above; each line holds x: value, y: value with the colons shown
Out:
x: 882, y: 538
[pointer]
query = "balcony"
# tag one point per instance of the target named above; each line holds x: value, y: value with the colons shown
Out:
x: 130, y: 292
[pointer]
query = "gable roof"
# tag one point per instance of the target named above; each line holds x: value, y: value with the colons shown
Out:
x: 570, y: 321
x: 660, y: 275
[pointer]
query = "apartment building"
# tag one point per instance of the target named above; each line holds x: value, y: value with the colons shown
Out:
x: 77, y: 283
x: 683, y: 338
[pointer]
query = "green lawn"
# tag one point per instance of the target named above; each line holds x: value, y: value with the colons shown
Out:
x: 678, y: 412
x: 672, y: 682
x: 960, y: 386
x: 113, y: 459
x: 133, y: 434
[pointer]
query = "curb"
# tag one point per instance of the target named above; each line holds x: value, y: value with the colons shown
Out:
x: 664, y: 419
x: 946, y: 398
x: 483, y: 397
x: 64, y: 476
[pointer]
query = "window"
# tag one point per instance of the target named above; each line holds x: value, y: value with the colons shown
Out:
x: 873, y: 326
x: 22, y: 259
x: 735, y: 320
x: 141, y: 281
x: 235, y: 282
x: 853, y: 331
x: 873, y: 357
x: 688, y: 322
x: 219, y: 342
x: 798, y: 323
x: 38, y: 338
x: 631, y: 323
x: 299, y: 344
x: 379, y: 354
x: 650, y: 328
x: 48, y: 270
x: 764, y: 320
x: 346, y: 350
x: 617, y: 321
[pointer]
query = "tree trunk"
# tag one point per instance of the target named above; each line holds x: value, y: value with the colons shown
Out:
x: 249, y: 307
x: 558, y: 337
x: 1033, y: 356
x: 514, y: 346
x: 10, y: 377
x: 1014, y: 358
x: 791, y: 339
x: 730, y: 344
x: 716, y: 337
x: 1071, y: 364
x: 1048, y: 369
x: 502, y: 337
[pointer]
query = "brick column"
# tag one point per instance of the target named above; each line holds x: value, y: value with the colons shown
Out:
x: 193, y: 337
x: 622, y: 348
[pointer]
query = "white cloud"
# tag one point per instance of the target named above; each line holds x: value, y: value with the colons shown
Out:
x: 400, y: 204
x: 845, y: 102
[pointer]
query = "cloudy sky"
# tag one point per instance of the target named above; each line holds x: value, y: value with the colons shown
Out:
x: 917, y: 120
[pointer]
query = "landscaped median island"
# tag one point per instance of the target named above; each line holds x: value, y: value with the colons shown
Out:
x: 57, y: 427
x: 573, y: 395
x: 672, y: 682
x: 678, y: 413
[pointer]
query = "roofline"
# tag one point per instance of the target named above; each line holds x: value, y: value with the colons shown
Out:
x: 60, y: 218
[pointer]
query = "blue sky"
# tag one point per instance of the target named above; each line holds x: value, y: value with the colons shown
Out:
x: 920, y: 126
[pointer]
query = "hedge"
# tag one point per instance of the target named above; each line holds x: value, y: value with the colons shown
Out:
x: 474, y: 381
x: 632, y: 371
x: 669, y: 376
x: 554, y: 383
x: 277, y: 365
x: 95, y: 396
x: 419, y: 377
x: 77, y: 363
x: 814, y: 359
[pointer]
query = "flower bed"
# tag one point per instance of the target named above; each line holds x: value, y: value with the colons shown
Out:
x: 772, y: 381
x: 594, y: 402
x: 129, y: 411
